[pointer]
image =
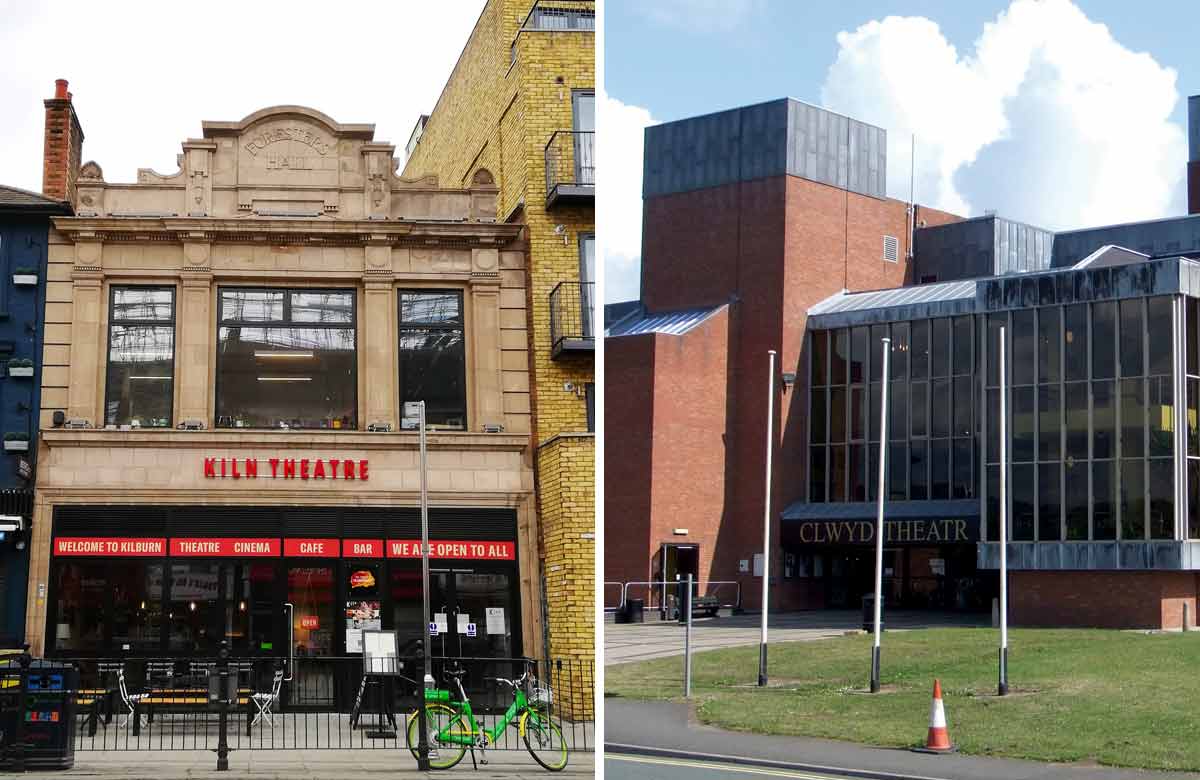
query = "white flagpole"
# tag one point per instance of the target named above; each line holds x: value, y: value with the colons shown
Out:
x: 766, y: 571
x: 1003, y: 688
x: 883, y: 444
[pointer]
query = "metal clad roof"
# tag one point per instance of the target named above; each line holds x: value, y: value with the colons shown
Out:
x: 899, y: 296
x: 674, y: 323
x: 892, y: 510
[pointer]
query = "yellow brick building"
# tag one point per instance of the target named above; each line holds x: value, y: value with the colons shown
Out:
x: 518, y: 110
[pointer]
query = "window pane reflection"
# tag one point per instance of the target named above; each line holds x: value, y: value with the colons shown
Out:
x: 139, y: 381
x: 433, y: 358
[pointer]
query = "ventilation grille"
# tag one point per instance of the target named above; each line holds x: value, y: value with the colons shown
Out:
x: 891, y: 249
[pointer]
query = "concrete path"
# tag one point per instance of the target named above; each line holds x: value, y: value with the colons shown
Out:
x: 307, y: 765
x: 625, y: 643
x: 667, y: 730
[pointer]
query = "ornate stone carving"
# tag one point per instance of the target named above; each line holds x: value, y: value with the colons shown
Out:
x: 91, y: 171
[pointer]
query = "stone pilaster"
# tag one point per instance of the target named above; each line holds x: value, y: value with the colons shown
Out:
x: 379, y: 336
x: 87, y: 352
x: 485, y: 326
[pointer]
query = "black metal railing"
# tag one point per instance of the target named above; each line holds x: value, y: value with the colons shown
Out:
x: 571, y: 162
x: 561, y: 15
x: 310, y: 703
x: 572, y: 313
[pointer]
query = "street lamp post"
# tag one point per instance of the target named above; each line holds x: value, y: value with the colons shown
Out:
x: 766, y: 553
x: 427, y: 680
x: 1003, y: 686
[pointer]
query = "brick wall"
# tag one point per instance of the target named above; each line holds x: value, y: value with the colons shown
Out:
x: 629, y: 387
x: 498, y: 114
x: 1118, y: 599
x: 775, y: 247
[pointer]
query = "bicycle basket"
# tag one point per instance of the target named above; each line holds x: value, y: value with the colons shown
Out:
x: 541, y: 696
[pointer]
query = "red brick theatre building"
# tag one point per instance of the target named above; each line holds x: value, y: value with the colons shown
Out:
x: 767, y: 227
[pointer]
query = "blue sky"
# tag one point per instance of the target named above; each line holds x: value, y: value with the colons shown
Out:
x: 1047, y: 76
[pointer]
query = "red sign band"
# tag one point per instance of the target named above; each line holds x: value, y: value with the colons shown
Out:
x: 225, y: 548
x: 310, y: 548
x: 477, y: 551
x: 241, y: 547
x: 110, y: 546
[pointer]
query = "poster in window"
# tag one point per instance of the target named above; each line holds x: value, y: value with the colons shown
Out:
x: 360, y: 616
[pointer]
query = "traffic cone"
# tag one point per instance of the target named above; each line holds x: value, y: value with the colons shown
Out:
x: 938, y: 740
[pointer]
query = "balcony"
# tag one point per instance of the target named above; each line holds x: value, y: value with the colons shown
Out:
x: 572, y: 328
x: 561, y: 15
x: 571, y: 168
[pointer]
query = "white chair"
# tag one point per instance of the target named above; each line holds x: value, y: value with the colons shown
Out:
x: 129, y: 699
x: 265, y: 701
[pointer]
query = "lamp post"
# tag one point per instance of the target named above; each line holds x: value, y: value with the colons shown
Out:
x: 883, y: 445
x: 766, y: 553
x: 427, y: 680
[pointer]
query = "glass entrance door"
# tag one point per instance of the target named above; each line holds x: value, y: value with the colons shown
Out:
x: 474, y: 611
x: 310, y: 592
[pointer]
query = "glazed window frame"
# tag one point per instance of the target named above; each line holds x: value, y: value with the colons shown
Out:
x: 225, y: 417
x: 456, y: 419
x: 129, y: 324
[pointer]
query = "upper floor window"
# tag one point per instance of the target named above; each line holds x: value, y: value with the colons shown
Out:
x: 286, y: 358
x: 432, y: 355
x: 139, y: 386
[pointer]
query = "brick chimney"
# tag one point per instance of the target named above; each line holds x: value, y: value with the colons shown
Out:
x: 1193, y: 166
x: 63, y: 150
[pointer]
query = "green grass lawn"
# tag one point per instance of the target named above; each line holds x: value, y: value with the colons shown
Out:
x: 1119, y: 698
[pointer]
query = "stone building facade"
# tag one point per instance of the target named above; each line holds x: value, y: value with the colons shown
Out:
x: 518, y: 109
x: 228, y: 353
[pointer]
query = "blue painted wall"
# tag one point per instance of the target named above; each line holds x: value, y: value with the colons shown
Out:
x: 23, y: 245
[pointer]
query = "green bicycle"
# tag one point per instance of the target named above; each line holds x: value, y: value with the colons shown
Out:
x: 452, y: 726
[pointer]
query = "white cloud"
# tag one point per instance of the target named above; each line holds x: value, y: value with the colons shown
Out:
x: 699, y: 16
x: 1049, y: 119
x: 620, y: 138
x: 145, y: 74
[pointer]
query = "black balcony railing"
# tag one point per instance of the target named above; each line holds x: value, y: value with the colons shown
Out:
x: 572, y: 308
x: 570, y: 166
x: 561, y: 15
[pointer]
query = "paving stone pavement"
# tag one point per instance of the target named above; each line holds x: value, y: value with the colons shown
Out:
x: 629, y: 642
x: 306, y: 765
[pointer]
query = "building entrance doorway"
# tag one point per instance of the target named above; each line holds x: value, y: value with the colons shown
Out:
x: 673, y: 563
x: 473, y: 611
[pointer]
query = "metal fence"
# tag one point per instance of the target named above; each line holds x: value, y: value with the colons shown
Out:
x: 664, y: 595
x: 570, y: 159
x: 312, y: 703
x: 572, y: 314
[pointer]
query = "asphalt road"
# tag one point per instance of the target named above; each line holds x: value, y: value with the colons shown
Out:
x: 641, y: 767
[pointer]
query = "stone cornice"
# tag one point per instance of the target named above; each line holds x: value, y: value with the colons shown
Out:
x: 276, y: 230
x: 231, y: 441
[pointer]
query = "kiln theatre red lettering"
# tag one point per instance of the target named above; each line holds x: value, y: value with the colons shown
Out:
x: 287, y: 468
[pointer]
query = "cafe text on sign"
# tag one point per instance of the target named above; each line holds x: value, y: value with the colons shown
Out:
x: 310, y: 548
x: 287, y: 468
x: 479, y: 551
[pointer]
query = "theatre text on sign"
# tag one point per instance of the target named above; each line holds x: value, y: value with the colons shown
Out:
x: 894, y: 531
x: 287, y: 468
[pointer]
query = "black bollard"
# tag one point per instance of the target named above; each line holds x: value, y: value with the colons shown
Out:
x: 223, y: 708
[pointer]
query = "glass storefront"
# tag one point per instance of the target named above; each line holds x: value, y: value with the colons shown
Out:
x: 1092, y: 413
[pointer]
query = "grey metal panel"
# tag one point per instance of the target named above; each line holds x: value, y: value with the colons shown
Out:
x: 865, y: 510
x: 1049, y: 556
x: 1194, y: 128
x: 1157, y: 238
x: 1168, y: 555
x: 1134, y: 555
x: 673, y: 322
x: 1075, y: 556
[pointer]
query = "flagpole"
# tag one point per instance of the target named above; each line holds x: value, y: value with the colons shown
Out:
x: 883, y: 444
x: 766, y: 553
x: 1003, y: 687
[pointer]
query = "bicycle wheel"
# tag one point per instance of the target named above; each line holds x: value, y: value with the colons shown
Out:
x: 545, y: 742
x: 438, y: 718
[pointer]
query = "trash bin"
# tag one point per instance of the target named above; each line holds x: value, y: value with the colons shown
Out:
x: 635, y: 610
x: 868, y: 604
x: 48, y: 719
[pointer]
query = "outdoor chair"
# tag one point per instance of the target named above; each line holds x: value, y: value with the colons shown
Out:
x: 130, y: 700
x: 265, y: 701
